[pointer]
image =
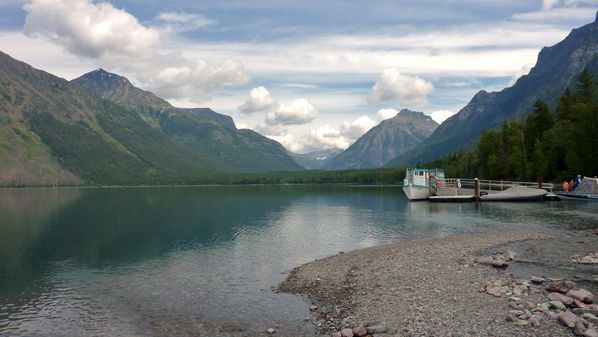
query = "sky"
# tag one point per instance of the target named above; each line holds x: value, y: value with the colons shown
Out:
x: 309, y: 74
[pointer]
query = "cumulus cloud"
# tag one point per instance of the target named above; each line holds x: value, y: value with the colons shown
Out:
x: 326, y: 137
x: 299, y: 111
x: 383, y: 114
x: 118, y: 41
x: 550, y: 4
x: 88, y: 29
x: 440, y: 116
x: 259, y: 100
x: 355, y: 129
x: 392, y: 86
x: 183, y: 22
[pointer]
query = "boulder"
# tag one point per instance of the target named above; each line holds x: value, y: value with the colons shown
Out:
x: 347, y: 332
x: 561, y: 286
x: 375, y: 329
x: 579, y: 329
x: 590, y: 318
x: 591, y: 332
x: 568, y: 301
x: 491, y: 261
x: 558, y: 305
x: 581, y: 295
x: 494, y: 290
x: 360, y: 331
x: 537, y: 280
x: 336, y: 334
x: 534, y: 321
x: 510, y: 255
x: 579, y: 304
x: 568, y: 319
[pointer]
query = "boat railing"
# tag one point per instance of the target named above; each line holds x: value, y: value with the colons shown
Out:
x: 487, y: 185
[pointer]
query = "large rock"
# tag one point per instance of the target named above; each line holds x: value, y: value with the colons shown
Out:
x: 347, y: 332
x: 491, y: 261
x: 360, y: 331
x: 581, y: 294
x: 579, y: 329
x: 590, y: 318
x: 537, y: 280
x: 562, y: 286
x: 568, y: 319
x: 568, y: 301
x: 590, y: 333
x: 375, y: 329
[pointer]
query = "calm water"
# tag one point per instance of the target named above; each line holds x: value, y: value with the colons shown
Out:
x: 175, y: 261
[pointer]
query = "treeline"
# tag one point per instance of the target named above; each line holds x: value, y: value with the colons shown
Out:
x: 546, y: 145
x: 359, y: 177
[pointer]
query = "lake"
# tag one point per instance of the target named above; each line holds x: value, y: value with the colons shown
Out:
x: 200, y: 260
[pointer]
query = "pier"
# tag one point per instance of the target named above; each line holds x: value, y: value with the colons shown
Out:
x: 466, y: 190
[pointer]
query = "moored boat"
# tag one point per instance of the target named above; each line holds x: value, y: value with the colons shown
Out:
x: 587, y: 190
x: 418, y: 182
x: 516, y: 193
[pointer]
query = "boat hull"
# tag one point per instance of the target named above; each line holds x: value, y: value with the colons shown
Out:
x: 416, y: 192
x: 577, y: 196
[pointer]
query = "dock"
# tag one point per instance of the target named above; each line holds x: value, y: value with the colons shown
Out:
x: 468, y: 190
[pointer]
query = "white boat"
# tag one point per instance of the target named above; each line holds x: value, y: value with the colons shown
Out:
x: 516, y: 193
x: 418, y: 182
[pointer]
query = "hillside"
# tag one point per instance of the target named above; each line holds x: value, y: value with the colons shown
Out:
x: 555, y: 70
x: 387, y: 140
x: 198, y: 129
x: 53, y: 132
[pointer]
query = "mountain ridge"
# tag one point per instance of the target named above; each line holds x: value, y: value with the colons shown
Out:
x: 385, y: 141
x: 555, y: 70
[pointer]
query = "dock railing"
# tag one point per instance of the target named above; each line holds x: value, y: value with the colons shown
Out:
x: 487, y: 185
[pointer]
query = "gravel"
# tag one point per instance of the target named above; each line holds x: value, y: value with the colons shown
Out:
x: 427, y: 287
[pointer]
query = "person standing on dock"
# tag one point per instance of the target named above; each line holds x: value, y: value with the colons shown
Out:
x: 572, y: 185
x: 565, y: 186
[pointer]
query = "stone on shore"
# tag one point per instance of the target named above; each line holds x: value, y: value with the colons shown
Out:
x: 581, y: 295
x: 562, y: 286
x: 590, y: 318
x: 568, y: 301
x: 270, y: 331
x: 360, y: 331
x: 491, y: 261
x: 375, y: 329
x: 534, y: 321
x: 336, y: 334
x: 347, y: 332
x: 313, y: 308
x: 511, y: 255
x: 568, y: 319
x: 579, y: 329
x: 537, y: 280
x: 591, y: 332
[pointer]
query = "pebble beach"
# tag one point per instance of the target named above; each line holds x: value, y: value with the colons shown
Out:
x: 435, y: 287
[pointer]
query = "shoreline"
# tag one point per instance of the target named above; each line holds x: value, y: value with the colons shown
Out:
x: 428, y: 287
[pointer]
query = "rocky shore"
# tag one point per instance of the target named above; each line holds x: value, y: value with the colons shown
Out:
x: 435, y: 287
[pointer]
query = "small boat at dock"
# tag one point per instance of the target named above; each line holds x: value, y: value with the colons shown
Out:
x: 516, y: 193
x: 587, y: 190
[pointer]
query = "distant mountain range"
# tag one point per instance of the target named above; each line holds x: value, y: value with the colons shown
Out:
x: 387, y: 140
x: 557, y: 67
x: 317, y: 159
x: 100, y: 129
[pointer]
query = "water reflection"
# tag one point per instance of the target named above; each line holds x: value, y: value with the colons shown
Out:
x: 170, y: 261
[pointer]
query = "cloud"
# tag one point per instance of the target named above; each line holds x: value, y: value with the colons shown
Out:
x: 179, y: 22
x: 259, y: 100
x: 355, y: 129
x: 326, y: 137
x: 523, y: 71
x: 118, y: 41
x: 392, y: 86
x: 440, y: 116
x: 299, y: 111
x: 549, y: 4
x: 383, y: 114
x: 87, y: 29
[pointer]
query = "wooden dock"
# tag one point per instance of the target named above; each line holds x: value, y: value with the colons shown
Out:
x: 467, y: 190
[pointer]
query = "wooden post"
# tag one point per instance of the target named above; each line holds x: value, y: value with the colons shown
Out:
x: 476, y: 188
x: 540, y: 182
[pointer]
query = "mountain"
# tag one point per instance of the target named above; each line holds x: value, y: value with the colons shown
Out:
x: 387, y: 140
x: 315, y: 160
x: 556, y: 69
x: 53, y: 132
x: 199, y: 129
